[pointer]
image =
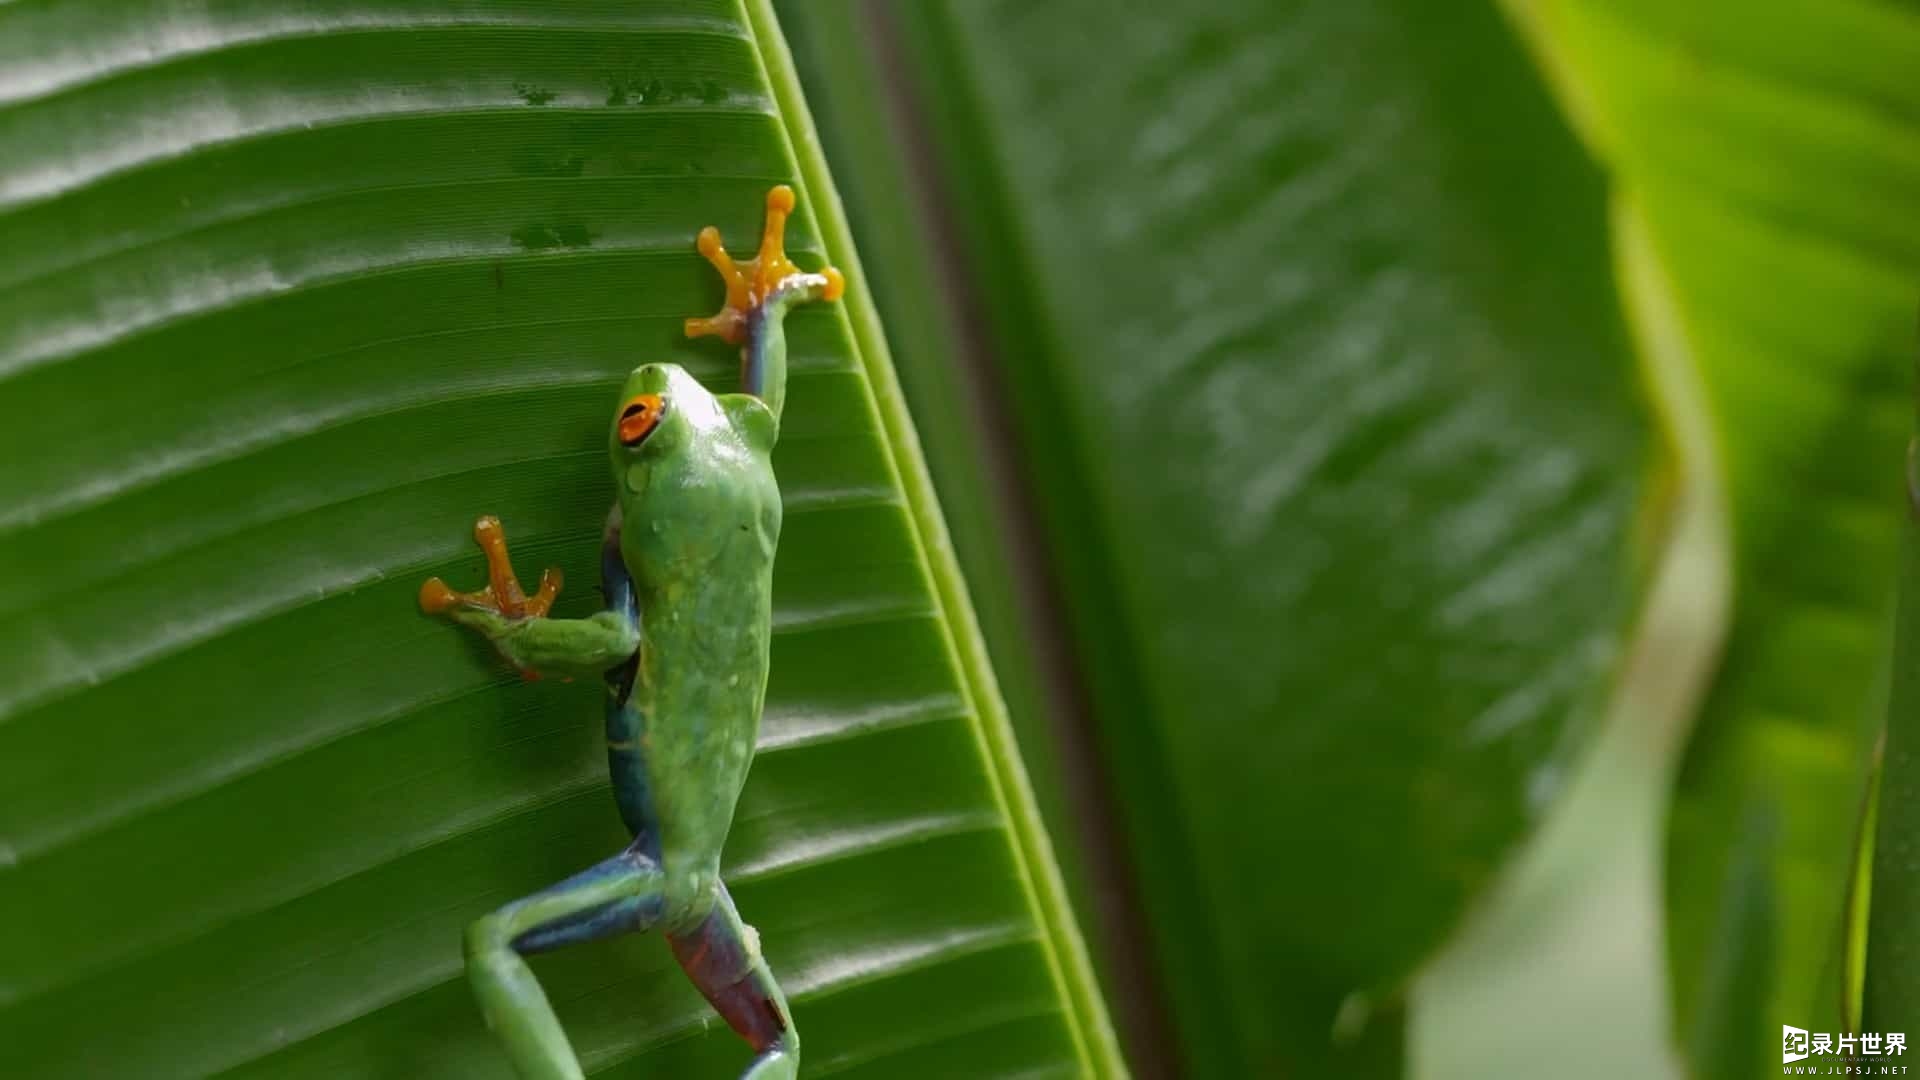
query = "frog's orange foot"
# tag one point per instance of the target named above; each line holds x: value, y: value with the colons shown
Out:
x: 749, y: 281
x: 503, y: 595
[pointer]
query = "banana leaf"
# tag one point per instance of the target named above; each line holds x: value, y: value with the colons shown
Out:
x: 290, y: 296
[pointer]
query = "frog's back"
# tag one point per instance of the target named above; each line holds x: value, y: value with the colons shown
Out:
x: 703, y: 573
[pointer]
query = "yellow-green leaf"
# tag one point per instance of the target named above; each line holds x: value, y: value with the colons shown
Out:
x: 1768, y: 155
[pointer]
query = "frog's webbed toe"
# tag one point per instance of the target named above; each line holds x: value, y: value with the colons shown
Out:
x: 502, y: 595
x: 750, y: 281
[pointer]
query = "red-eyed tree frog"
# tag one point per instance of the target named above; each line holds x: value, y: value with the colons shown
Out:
x: 687, y: 568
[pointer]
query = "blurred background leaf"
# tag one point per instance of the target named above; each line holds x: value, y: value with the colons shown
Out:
x: 1317, y: 384
x: 1770, y: 154
x: 1892, y: 980
x: 293, y: 292
x: 1303, y: 323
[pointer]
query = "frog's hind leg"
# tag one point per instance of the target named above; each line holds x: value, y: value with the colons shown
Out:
x: 619, y: 896
x: 722, y: 957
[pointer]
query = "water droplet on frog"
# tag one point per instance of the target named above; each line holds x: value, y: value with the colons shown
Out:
x: 733, y: 680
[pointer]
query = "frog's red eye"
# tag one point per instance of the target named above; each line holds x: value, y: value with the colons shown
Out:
x: 638, y: 418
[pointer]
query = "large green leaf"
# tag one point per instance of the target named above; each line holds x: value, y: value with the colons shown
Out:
x: 291, y: 294
x: 1306, y: 315
x: 1769, y: 154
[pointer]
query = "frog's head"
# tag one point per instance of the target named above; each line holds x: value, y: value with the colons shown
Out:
x: 661, y: 409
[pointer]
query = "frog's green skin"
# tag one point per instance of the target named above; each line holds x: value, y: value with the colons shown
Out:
x: 687, y: 563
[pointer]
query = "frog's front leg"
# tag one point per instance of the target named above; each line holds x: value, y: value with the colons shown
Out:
x: 517, y: 624
x: 760, y: 290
